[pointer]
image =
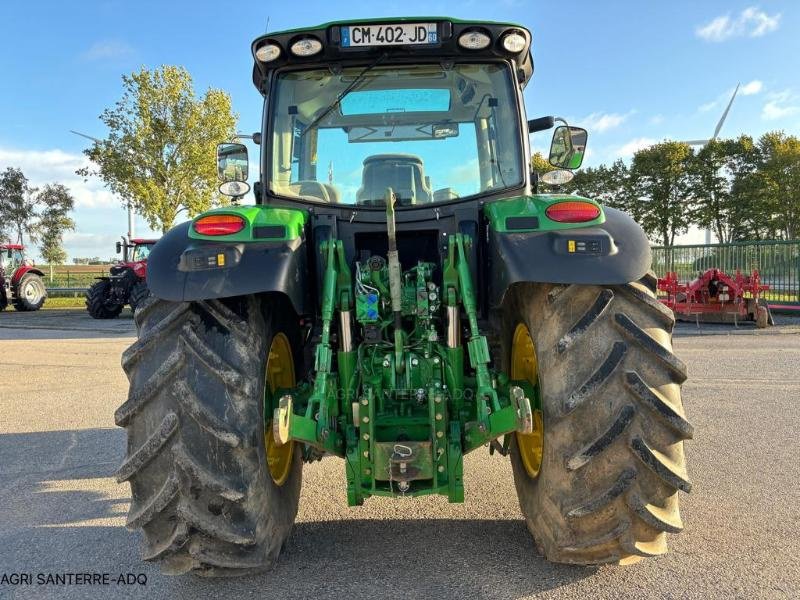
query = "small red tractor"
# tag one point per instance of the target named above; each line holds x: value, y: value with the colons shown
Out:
x: 20, y: 281
x: 125, y: 284
x: 716, y: 297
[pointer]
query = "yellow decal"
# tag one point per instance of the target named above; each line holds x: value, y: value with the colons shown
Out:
x: 571, y: 246
x: 220, y: 260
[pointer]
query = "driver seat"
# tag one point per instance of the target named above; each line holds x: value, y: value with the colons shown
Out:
x: 404, y: 173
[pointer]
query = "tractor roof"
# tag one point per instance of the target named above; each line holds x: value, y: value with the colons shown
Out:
x: 11, y: 246
x: 334, y: 50
x: 142, y: 241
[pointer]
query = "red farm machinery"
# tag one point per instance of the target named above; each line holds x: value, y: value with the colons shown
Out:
x: 126, y: 282
x: 21, y: 282
x: 716, y: 297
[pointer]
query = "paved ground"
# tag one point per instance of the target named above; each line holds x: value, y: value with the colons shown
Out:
x: 60, y: 511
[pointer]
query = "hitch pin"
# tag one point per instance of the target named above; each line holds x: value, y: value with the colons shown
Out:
x: 402, y: 451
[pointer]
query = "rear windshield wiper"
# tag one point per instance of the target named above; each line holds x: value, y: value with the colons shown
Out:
x: 344, y: 92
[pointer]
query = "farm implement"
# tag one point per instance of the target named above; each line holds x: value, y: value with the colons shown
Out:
x: 716, y: 297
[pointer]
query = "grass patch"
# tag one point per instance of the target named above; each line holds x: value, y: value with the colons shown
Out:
x: 64, y: 302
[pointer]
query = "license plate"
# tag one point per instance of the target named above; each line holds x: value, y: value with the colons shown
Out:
x: 389, y: 35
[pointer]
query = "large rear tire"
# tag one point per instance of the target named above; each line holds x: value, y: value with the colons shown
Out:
x: 30, y: 293
x: 99, y: 302
x: 139, y: 293
x: 604, y: 485
x: 202, y: 485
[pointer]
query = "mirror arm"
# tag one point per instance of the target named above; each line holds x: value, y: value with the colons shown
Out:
x: 541, y: 124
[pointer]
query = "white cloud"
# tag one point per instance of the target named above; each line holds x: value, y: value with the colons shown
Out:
x: 630, y: 148
x: 57, y: 166
x: 761, y: 22
x: 107, y: 50
x: 751, y: 88
x: 598, y: 122
x: 716, y: 30
x: 751, y: 22
x: 656, y: 119
x: 99, y: 216
x: 781, y: 105
x: 708, y: 106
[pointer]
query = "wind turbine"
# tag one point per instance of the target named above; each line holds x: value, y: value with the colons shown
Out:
x: 131, y: 220
x: 714, y: 137
x: 719, y: 124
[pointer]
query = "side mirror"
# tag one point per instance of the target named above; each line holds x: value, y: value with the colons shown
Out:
x: 232, y: 162
x: 568, y: 147
x: 119, y: 247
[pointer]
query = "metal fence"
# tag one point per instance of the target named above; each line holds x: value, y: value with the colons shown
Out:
x: 68, y: 278
x: 778, y: 263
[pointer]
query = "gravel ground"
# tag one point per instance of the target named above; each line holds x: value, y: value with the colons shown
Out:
x: 61, y: 512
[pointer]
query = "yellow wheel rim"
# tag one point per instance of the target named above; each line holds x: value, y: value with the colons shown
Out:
x: 279, y: 374
x: 525, y: 367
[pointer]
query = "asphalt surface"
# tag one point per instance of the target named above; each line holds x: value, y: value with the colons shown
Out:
x: 62, y: 512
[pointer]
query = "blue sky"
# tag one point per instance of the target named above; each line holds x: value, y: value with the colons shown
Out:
x: 631, y: 72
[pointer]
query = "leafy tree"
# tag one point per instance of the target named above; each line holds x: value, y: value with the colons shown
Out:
x: 539, y: 164
x: 778, y: 176
x: 726, y: 198
x: 17, y: 205
x: 610, y: 186
x: 54, y: 221
x: 711, y: 188
x: 159, y: 153
x: 661, y: 191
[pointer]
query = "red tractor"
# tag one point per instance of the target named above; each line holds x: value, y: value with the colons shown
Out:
x: 20, y: 281
x: 125, y: 284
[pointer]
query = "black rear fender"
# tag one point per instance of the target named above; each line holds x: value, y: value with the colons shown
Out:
x: 183, y: 269
x: 611, y: 253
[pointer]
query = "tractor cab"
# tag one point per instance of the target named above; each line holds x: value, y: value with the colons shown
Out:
x: 136, y: 250
x: 432, y: 130
x: 430, y: 109
x: 11, y: 257
x: 141, y: 249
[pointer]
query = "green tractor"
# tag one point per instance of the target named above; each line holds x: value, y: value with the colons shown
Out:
x: 399, y: 295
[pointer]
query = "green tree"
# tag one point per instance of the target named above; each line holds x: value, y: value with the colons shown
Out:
x: 539, y: 164
x: 17, y: 204
x: 723, y: 189
x: 661, y: 192
x: 54, y: 221
x: 610, y: 186
x: 159, y: 153
x: 778, y: 177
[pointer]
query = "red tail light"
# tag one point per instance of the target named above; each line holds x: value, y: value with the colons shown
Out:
x: 219, y: 225
x: 572, y: 212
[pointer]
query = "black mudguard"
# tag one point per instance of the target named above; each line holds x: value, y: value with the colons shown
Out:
x: 182, y: 269
x: 612, y: 253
